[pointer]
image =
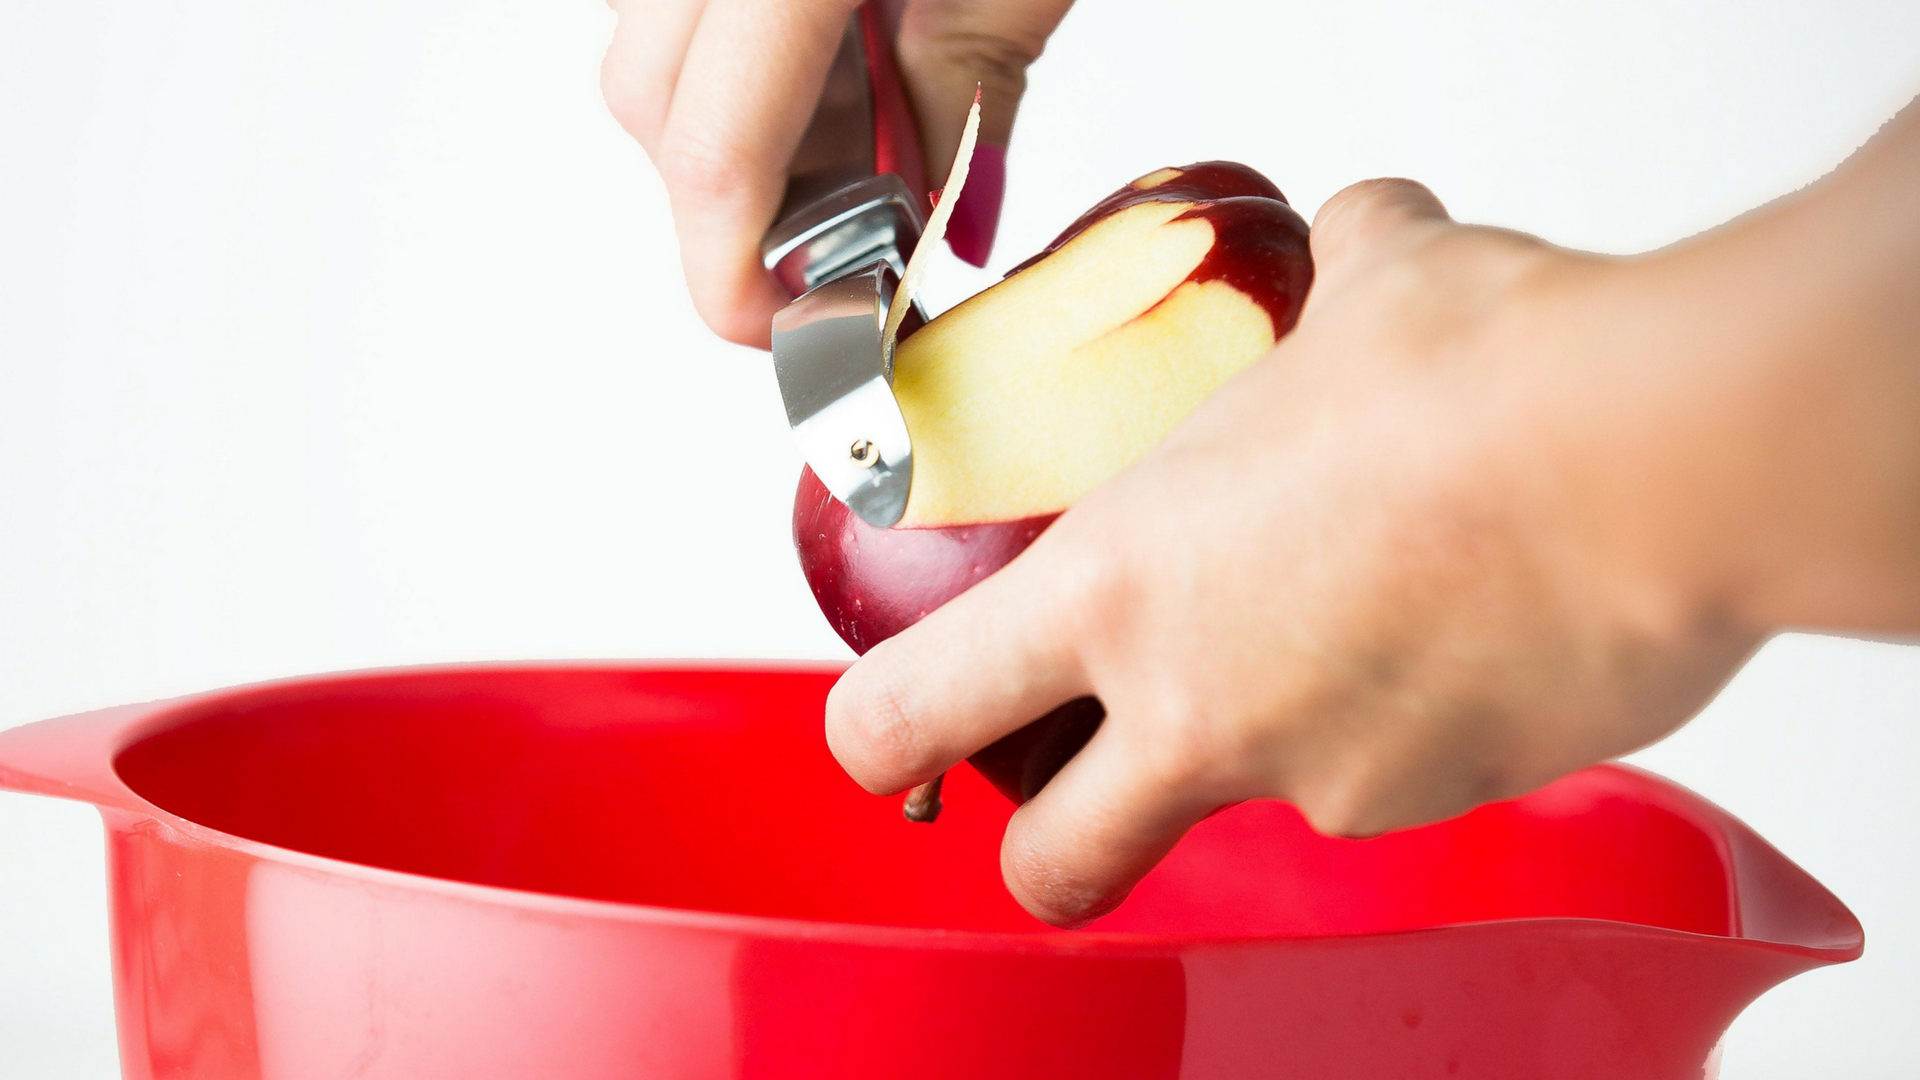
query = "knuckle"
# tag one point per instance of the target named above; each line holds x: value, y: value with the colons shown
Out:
x: 959, y: 34
x: 699, y: 173
x: 626, y: 97
x: 1364, y: 200
x: 1092, y: 584
x: 1337, y: 817
x: 1345, y: 805
x: 1182, y: 746
x: 994, y: 60
x: 731, y: 322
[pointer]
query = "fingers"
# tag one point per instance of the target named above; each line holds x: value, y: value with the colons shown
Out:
x: 1075, y: 851
x: 946, y: 48
x: 643, y: 62
x: 985, y: 664
x: 991, y: 661
x: 720, y: 91
x: 1367, y: 222
x: 751, y: 74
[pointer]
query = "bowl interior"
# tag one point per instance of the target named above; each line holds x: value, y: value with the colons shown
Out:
x: 712, y: 789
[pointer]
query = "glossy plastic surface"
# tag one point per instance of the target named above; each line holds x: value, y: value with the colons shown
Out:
x: 598, y: 872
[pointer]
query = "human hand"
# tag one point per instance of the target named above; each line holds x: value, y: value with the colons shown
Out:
x: 719, y: 92
x: 1493, y: 511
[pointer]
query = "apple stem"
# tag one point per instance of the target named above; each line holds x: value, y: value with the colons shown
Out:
x: 923, y: 802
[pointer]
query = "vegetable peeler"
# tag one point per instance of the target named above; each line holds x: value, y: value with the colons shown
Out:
x: 854, y: 209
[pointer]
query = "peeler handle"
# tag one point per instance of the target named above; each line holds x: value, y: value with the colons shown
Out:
x: 855, y: 207
x: 896, y: 134
x: 856, y: 189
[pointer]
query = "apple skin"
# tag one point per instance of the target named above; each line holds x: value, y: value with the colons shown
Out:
x: 873, y: 582
x: 1260, y: 245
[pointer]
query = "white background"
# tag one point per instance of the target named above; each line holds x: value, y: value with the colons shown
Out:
x: 349, y: 333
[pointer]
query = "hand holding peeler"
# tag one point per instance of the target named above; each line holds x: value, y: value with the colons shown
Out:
x: 855, y: 207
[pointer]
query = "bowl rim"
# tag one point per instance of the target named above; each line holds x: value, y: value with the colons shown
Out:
x: 77, y: 757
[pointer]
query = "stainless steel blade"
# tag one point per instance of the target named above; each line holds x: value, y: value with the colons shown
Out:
x: 873, y: 219
x: 836, y: 378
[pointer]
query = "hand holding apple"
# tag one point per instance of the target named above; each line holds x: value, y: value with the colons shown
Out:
x: 1492, y: 512
x: 1033, y: 392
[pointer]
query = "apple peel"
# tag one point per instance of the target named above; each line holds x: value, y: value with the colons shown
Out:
x: 923, y: 802
x: 948, y: 198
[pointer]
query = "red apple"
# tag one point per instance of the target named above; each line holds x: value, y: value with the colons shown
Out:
x: 1030, y: 394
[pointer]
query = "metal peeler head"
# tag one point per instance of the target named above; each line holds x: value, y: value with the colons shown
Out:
x: 846, y: 229
x: 835, y: 371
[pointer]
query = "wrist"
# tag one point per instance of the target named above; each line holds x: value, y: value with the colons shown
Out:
x: 1757, y: 403
x: 1830, y: 280
x: 1635, y: 422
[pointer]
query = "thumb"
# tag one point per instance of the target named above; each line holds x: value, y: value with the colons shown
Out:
x: 946, y: 48
x: 1367, y: 222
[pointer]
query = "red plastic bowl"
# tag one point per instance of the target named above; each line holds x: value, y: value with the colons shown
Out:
x: 641, y: 871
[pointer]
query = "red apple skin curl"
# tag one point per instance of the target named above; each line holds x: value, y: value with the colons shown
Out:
x: 873, y: 582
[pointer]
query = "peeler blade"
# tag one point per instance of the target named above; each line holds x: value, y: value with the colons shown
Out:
x: 853, y: 213
x: 835, y: 372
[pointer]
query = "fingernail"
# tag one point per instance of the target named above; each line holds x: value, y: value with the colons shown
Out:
x: 977, y: 217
